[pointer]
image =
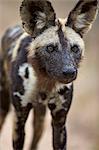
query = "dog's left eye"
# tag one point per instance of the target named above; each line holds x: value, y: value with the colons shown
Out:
x: 50, y: 48
x: 75, y: 49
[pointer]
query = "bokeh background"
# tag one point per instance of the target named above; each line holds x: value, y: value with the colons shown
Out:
x: 83, y: 118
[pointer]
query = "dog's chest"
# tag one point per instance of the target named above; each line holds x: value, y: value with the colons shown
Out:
x: 28, y: 87
x: 31, y: 89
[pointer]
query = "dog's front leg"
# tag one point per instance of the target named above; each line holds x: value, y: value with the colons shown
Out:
x: 59, y: 105
x: 20, y: 117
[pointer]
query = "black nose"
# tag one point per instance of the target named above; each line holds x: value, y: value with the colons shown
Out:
x: 70, y: 72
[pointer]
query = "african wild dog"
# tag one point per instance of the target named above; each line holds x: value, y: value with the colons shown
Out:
x: 43, y: 62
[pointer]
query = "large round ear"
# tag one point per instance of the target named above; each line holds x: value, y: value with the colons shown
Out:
x: 82, y: 16
x: 37, y: 15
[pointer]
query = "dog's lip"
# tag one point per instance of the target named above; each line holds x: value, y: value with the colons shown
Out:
x: 60, y: 79
x: 63, y: 81
x: 66, y: 81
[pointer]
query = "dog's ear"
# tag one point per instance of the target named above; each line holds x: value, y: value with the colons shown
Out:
x: 37, y: 15
x: 82, y: 16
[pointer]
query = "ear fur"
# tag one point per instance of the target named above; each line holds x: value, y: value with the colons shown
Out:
x: 37, y: 15
x: 82, y: 16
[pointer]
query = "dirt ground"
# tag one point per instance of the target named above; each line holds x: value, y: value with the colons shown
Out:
x: 83, y: 118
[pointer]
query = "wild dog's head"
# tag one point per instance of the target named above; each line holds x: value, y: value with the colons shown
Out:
x: 58, y: 44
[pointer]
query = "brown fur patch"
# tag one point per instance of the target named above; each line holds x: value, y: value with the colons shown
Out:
x: 44, y: 82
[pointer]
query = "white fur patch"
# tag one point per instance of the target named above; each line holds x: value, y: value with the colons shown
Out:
x: 29, y: 84
x: 41, y: 20
x: 74, y: 39
x: 10, y: 52
x: 13, y: 31
x: 49, y: 36
x: 81, y: 21
x: 59, y: 100
x: 61, y: 85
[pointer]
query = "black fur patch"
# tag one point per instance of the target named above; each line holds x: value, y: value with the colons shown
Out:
x: 63, y: 90
x: 4, y: 91
x: 68, y: 95
x: 23, y: 45
x: 62, y: 39
x: 59, y: 117
x: 22, y: 115
x: 87, y: 6
x: 51, y: 106
x: 27, y: 73
x: 43, y: 95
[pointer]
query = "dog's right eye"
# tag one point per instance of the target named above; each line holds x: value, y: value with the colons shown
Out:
x: 75, y: 49
x: 50, y: 48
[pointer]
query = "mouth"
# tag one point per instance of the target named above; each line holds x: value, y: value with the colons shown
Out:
x: 66, y: 81
x: 62, y: 78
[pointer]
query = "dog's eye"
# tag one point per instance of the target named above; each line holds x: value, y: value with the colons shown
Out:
x: 75, y: 49
x: 50, y: 48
